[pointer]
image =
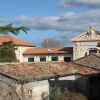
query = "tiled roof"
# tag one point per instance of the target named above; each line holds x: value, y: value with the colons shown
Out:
x: 26, y: 72
x: 14, y: 41
x: 92, y: 61
x: 65, y: 50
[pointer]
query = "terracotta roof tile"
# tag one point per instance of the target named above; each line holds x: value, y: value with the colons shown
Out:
x: 14, y: 40
x: 92, y: 61
x: 35, y: 71
x: 48, y: 51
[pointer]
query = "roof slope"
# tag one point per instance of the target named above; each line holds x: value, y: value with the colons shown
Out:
x: 31, y: 51
x: 38, y: 71
x: 92, y: 61
x: 14, y: 41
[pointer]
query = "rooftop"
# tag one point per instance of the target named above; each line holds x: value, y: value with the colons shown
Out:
x: 26, y: 72
x: 90, y: 35
x: 14, y: 41
x: 65, y: 50
x: 91, y: 60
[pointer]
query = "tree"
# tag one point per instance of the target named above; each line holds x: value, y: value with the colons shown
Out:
x: 51, y: 43
x: 68, y: 95
x: 11, y: 29
x: 72, y: 95
x: 7, y: 53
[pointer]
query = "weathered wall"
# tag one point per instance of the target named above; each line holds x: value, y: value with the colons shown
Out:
x: 82, y: 47
x: 81, y: 83
x: 64, y: 83
x: 19, y: 52
x: 44, y: 89
x: 84, y: 41
x: 36, y: 90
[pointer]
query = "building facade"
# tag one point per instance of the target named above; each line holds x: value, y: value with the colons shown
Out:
x: 86, y: 43
x: 37, y: 81
x: 19, y: 45
x: 48, y: 54
x: 27, y: 52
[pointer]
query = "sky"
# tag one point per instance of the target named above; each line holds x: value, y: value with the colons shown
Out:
x: 58, y: 19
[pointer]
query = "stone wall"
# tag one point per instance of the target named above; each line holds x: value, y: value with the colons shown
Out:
x: 43, y: 90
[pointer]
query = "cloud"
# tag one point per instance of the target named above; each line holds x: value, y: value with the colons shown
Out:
x: 66, y: 24
x: 86, y: 3
x: 69, y: 21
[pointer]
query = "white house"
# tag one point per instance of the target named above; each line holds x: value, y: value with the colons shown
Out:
x: 20, y: 45
x: 86, y: 43
x: 48, y: 54
x: 26, y: 52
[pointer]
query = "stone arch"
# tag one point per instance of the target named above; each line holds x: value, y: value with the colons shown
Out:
x: 92, y: 51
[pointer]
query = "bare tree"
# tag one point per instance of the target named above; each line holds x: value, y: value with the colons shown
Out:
x: 51, y: 43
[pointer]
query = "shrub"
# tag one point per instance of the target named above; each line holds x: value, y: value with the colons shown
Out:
x: 72, y: 95
x: 69, y: 95
x: 7, y: 53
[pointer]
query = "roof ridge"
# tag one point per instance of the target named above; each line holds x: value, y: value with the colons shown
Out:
x: 16, y: 41
x: 87, y: 56
x: 12, y: 39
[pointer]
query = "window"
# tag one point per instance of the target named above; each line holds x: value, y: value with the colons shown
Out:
x: 67, y: 59
x: 30, y: 59
x: 29, y: 94
x: 92, y: 51
x: 42, y: 59
x: 54, y: 58
x: 98, y: 44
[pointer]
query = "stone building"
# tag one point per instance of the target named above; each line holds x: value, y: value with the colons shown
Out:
x: 91, y: 61
x: 86, y: 43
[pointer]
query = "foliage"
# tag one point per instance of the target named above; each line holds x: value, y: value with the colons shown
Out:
x: 72, y: 95
x: 14, y: 30
x: 69, y: 95
x: 7, y: 53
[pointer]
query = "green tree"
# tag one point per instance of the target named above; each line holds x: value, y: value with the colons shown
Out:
x: 69, y: 95
x: 72, y: 95
x: 12, y: 29
x: 7, y: 53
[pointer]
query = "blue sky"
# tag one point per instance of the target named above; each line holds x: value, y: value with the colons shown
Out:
x: 59, y: 19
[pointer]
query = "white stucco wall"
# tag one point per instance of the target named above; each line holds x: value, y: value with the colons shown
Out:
x: 36, y: 90
x: 72, y: 77
x: 39, y: 89
x: 19, y: 52
x: 48, y: 57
